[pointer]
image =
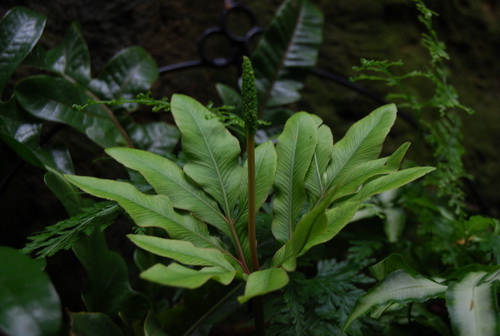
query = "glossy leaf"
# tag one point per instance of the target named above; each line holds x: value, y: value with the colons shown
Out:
x: 180, y: 276
x: 29, y: 304
x: 473, y: 305
x: 399, y: 287
x: 295, y: 149
x: 263, y: 282
x: 156, y: 137
x: 212, y: 152
x: 52, y: 99
x: 288, y: 49
x: 20, y: 30
x: 96, y: 324
x: 71, y: 58
x: 182, y: 251
x: 130, y: 72
x: 107, y: 289
x: 148, y: 210
x: 169, y: 179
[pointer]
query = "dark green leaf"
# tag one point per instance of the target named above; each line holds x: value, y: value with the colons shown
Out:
x: 52, y: 99
x: 71, y: 58
x: 29, y: 304
x: 156, y: 137
x: 286, y: 52
x: 93, y: 324
x: 108, y: 289
x: 130, y: 72
x: 20, y: 29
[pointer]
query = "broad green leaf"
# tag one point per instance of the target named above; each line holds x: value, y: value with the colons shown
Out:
x: 20, y: 134
x: 311, y: 226
x: 70, y: 58
x: 20, y: 30
x: 130, y: 72
x: 29, y: 304
x: 358, y: 174
x: 156, y: 137
x: 107, y: 289
x: 52, y: 99
x: 295, y: 150
x: 183, y: 251
x: 390, y: 264
x: 314, y: 181
x: 362, y: 142
x: 152, y: 326
x: 288, y: 49
x: 148, y: 210
x: 391, y: 181
x: 399, y: 287
x: 169, y: 179
x: 96, y: 324
x: 473, y: 306
x: 180, y: 276
x: 265, y: 170
x: 263, y: 282
x: 229, y: 96
x: 212, y: 152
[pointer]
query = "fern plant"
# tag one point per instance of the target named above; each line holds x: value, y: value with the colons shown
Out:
x: 207, y: 207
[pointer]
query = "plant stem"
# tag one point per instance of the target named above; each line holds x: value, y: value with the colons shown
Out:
x: 252, y: 236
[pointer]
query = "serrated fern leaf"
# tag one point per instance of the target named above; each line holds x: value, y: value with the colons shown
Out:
x: 62, y: 235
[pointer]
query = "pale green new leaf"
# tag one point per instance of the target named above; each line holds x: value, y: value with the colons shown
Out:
x: 182, y: 251
x: 148, y: 210
x: 176, y: 275
x: 212, y: 152
x: 472, y: 305
x: 168, y: 178
x: 362, y: 142
x: 263, y: 282
x: 295, y: 149
x: 399, y: 287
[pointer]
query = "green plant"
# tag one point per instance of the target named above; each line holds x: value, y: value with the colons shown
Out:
x: 204, y: 207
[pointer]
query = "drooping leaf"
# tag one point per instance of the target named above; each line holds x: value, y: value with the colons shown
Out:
x: 29, y: 304
x: 63, y: 234
x: 70, y: 58
x: 183, y: 251
x: 263, y: 282
x: 148, y: 210
x: 20, y: 30
x: 390, y: 264
x: 286, y: 52
x: 152, y: 326
x: 211, y: 150
x: 107, y: 289
x: 177, y: 275
x: 52, y: 99
x: 295, y: 150
x: 473, y: 305
x: 130, y: 72
x: 399, y: 287
x: 169, y: 179
x: 97, y: 324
